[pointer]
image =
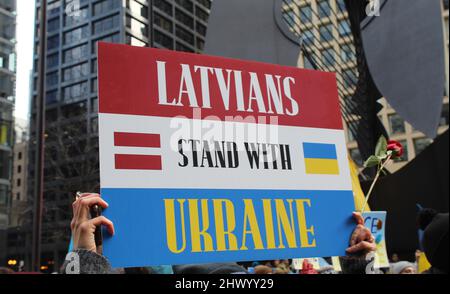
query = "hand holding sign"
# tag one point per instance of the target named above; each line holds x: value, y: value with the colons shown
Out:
x: 362, y: 240
x: 83, y: 228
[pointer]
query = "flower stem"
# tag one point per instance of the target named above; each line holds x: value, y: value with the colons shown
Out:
x: 380, y: 168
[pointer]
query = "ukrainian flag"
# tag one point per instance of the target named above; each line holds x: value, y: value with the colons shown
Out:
x: 320, y: 159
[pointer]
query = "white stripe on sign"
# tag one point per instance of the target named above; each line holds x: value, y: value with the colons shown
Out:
x: 173, y: 175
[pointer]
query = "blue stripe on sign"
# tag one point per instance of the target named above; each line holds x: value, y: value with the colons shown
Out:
x: 319, y: 150
x: 140, y: 227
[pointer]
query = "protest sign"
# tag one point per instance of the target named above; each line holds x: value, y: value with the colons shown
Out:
x: 208, y: 159
x: 375, y: 221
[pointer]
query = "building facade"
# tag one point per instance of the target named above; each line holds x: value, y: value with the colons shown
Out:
x: 7, y: 89
x: 73, y: 31
x: 326, y: 30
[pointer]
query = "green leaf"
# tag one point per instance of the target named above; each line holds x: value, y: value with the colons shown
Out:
x: 381, y: 148
x: 372, y: 161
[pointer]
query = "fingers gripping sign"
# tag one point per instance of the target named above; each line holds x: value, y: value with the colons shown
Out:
x: 83, y: 226
x: 362, y: 241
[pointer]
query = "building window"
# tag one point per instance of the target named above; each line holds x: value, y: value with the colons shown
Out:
x: 181, y: 47
x: 344, y: 28
x: 19, y: 182
x: 94, y: 125
x: 200, y: 44
x: 94, y: 105
x: 201, y: 29
x: 164, y: 6
x: 52, y: 79
x: 76, y: 72
x: 19, y: 156
x: 163, y: 22
x: 53, y: 25
x: 75, y: 92
x: 186, y: 4
x: 52, y: 42
x: 341, y: 6
x: 76, y: 53
x: 5, y: 163
x: 444, y: 116
x: 53, y: 60
x: 135, y: 41
x: 324, y: 8
x: 184, y: 35
x: 106, y: 24
x: 76, y: 18
x: 184, y: 18
x: 289, y: 17
x: 201, y: 14
x: 404, y: 156
x: 308, y: 36
x: 19, y: 169
x: 137, y: 27
x: 76, y: 35
x: 349, y: 77
x: 51, y: 97
x: 356, y: 156
x: 105, y: 6
x: 352, y: 127
x: 137, y: 8
x: 114, y: 38
x: 421, y: 144
x: 396, y: 124
x: 305, y: 14
x: 163, y: 39
x: 326, y: 32
x: 3, y: 192
x: 328, y: 57
x: 347, y: 54
x: 205, y: 3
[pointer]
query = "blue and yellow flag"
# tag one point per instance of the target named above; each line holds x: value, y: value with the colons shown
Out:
x: 320, y: 159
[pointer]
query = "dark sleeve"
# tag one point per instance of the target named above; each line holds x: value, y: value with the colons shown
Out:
x: 85, y: 262
x: 353, y: 265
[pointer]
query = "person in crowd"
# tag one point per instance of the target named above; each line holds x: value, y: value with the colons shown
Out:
x: 435, y: 239
x: 395, y: 258
x: 403, y: 268
x: 6, y: 271
x: 86, y: 258
x: 263, y: 270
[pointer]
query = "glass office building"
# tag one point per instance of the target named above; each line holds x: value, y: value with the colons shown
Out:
x: 7, y: 88
x: 73, y: 29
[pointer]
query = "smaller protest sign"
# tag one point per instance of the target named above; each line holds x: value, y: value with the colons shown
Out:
x: 375, y: 221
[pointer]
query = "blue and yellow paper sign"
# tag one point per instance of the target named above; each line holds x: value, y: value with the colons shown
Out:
x: 375, y: 221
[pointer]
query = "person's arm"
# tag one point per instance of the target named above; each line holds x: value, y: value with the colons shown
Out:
x: 362, y: 243
x: 85, y: 258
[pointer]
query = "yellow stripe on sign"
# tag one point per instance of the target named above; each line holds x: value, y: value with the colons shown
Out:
x: 321, y: 166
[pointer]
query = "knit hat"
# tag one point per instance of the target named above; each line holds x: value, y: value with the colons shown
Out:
x: 398, y: 267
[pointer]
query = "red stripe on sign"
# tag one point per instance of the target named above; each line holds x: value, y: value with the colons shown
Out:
x: 132, y: 72
x: 137, y: 140
x: 138, y: 162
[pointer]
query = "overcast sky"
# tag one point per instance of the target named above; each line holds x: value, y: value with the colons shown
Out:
x: 24, y: 36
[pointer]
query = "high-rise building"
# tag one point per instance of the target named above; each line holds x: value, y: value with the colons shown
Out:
x: 73, y: 29
x: 7, y: 89
x: 326, y: 30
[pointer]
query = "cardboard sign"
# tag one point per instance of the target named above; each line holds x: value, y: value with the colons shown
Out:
x: 375, y: 221
x: 207, y: 159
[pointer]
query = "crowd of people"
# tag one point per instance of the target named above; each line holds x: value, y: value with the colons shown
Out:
x: 89, y: 258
